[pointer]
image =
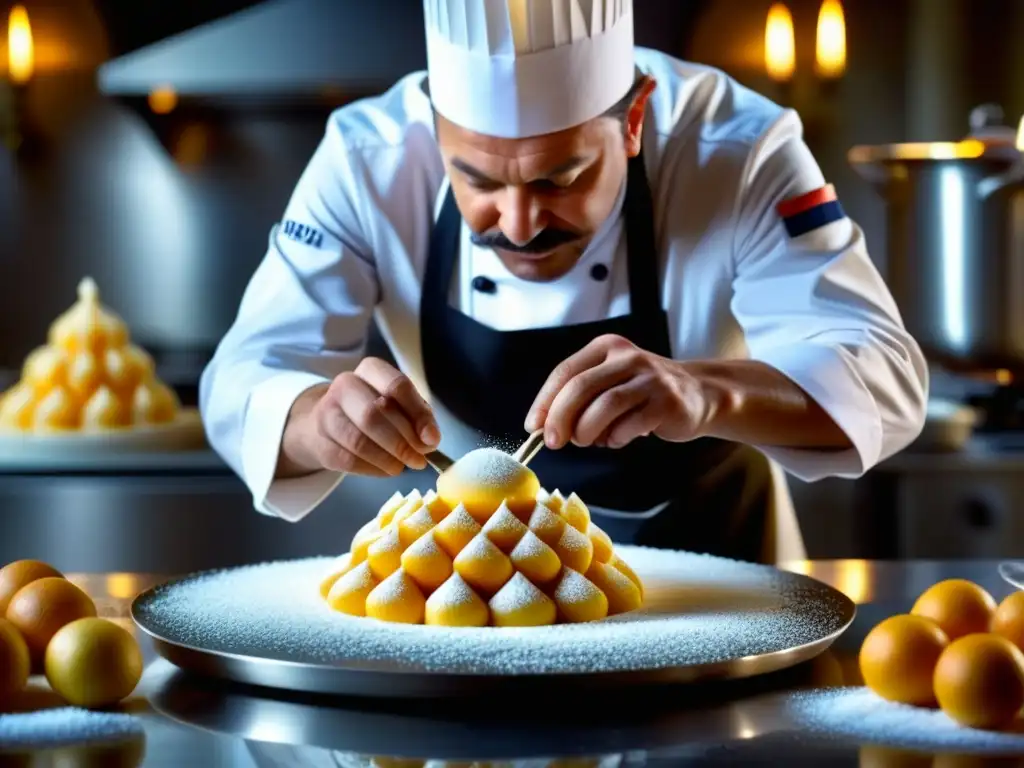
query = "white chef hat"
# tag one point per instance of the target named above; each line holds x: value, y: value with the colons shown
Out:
x: 519, y: 68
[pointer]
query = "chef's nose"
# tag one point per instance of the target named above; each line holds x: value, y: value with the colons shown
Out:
x: 521, y: 215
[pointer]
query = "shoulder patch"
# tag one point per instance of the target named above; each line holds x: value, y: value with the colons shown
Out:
x: 303, y: 233
x: 810, y: 211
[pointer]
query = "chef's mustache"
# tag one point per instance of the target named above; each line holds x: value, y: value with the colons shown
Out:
x: 546, y: 240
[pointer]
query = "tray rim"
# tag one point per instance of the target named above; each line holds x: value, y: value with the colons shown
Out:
x: 376, y: 683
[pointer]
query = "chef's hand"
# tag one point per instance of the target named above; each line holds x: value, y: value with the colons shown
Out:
x: 612, y: 392
x: 370, y: 421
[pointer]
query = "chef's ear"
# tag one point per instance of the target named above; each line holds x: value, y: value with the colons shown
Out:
x: 634, y: 122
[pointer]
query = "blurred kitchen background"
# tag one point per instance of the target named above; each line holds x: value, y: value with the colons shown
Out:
x: 159, y: 142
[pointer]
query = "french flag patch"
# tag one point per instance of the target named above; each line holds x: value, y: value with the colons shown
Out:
x: 810, y: 211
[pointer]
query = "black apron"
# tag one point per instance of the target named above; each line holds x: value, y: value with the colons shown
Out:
x: 715, y: 496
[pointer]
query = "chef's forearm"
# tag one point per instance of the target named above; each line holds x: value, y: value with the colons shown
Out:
x: 751, y: 402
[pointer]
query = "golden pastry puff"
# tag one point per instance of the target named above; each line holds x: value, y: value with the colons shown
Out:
x: 88, y: 325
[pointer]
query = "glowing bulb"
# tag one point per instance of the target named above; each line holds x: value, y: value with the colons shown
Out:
x: 163, y: 100
x: 779, y: 43
x: 20, y: 50
x: 830, y: 52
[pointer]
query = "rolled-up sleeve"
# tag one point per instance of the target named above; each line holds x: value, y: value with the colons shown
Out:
x: 303, y: 320
x: 812, y: 305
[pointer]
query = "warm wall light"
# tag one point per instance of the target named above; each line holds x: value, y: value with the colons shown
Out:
x: 779, y: 43
x: 163, y: 100
x: 830, y: 51
x: 21, y: 57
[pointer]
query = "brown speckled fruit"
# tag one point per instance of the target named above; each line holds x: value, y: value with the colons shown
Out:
x: 43, y: 607
x: 20, y: 573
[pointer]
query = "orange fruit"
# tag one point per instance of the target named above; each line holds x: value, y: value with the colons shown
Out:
x: 898, y: 658
x: 93, y: 662
x: 41, y: 608
x: 16, y: 575
x: 1008, y: 620
x: 14, y: 661
x: 959, y: 606
x: 979, y: 681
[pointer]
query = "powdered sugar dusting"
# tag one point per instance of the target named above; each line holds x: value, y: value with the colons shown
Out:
x: 859, y: 714
x: 573, y: 541
x: 487, y: 467
x: 453, y: 593
x: 698, y: 610
x: 530, y: 546
x: 392, y: 588
x: 503, y: 523
x: 66, y: 725
x: 574, y: 588
x: 480, y: 550
x: 515, y: 595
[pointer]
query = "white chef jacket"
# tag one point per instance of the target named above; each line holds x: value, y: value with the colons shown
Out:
x: 353, y: 246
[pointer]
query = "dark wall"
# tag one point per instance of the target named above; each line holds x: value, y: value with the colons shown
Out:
x: 172, y: 232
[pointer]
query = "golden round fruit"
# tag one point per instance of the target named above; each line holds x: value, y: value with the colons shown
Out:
x: 93, y: 662
x: 898, y: 658
x: 41, y: 608
x: 979, y: 681
x: 20, y: 573
x: 1008, y: 620
x: 959, y: 606
x: 14, y: 661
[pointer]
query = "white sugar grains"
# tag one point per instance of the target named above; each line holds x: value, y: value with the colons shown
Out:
x: 65, y: 725
x: 488, y: 467
x: 517, y: 593
x: 453, y: 593
x: 860, y: 715
x: 698, y: 609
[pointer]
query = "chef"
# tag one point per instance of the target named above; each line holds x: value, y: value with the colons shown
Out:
x: 555, y: 229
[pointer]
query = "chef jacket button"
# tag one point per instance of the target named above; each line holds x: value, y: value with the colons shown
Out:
x: 599, y: 272
x: 484, y: 285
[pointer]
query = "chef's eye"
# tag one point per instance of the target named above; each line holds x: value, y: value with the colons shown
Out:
x: 482, y: 185
x: 553, y: 185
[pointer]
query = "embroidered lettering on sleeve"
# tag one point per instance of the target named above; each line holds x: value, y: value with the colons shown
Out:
x: 810, y: 211
x: 303, y: 233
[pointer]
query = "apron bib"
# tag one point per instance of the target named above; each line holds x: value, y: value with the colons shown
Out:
x: 706, y: 495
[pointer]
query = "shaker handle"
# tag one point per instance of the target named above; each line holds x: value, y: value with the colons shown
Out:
x: 1015, y: 173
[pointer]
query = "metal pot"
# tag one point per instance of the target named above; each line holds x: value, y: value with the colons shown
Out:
x: 955, y: 244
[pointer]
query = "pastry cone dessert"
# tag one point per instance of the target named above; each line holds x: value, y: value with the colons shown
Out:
x: 88, y: 377
x: 489, y: 548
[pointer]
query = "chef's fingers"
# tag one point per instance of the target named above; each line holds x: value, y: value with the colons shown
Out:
x: 366, y: 430
x: 337, y: 459
x: 606, y: 409
x: 591, y: 355
x: 578, y: 394
x: 405, y: 405
x: 637, y: 423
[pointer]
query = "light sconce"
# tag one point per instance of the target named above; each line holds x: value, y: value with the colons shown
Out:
x: 780, y: 60
x: 779, y: 44
x: 21, y: 62
x: 809, y: 91
x: 830, y: 46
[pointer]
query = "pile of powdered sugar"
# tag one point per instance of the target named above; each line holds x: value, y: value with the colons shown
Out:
x: 486, y: 468
x: 698, y: 610
x: 859, y: 714
x: 64, y: 726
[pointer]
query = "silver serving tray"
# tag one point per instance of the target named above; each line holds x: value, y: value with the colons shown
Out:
x: 389, y: 678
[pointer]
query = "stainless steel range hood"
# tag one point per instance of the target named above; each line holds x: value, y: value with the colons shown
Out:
x: 281, y: 50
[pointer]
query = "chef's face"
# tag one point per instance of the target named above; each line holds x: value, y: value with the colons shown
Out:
x: 538, y: 202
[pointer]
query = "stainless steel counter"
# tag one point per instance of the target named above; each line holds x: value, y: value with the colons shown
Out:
x: 192, y: 722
